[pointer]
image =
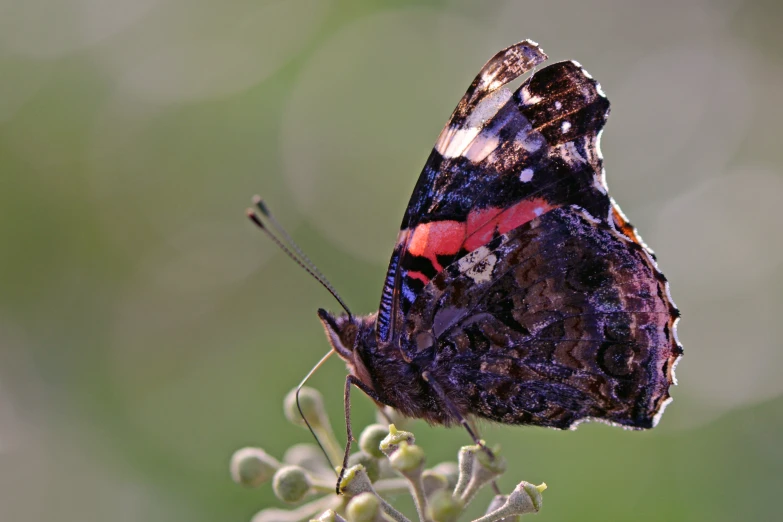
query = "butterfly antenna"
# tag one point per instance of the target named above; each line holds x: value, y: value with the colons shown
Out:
x: 261, y: 206
x: 300, y: 259
x: 301, y: 413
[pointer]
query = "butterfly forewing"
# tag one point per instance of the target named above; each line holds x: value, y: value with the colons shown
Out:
x: 496, y: 169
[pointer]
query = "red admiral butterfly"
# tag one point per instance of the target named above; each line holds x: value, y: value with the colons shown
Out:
x: 517, y: 290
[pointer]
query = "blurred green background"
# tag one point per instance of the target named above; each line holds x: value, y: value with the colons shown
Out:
x: 147, y: 330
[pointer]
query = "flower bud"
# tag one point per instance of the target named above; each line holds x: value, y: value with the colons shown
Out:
x: 494, y: 464
x: 389, y: 444
x: 328, y: 516
x: 364, y: 507
x: 476, y: 469
x: 252, y: 467
x: 312, y: 404
x: 450, y: 470
x: 443, y: 507
x: 371, y: 465
x: 355, y: 481
x: 407, y: 457
x: 526, y: 498
x: 291, y: 484
x: 371, y: 438
x: 497, y: 502
x: 432, y: 481
x: 308, y: 456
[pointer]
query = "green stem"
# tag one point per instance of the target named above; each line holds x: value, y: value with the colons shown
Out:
x: 358, y: 482
x: 329, y: 440
x: 417, y: 491
x: 303, y: 512
x: 391, y: 486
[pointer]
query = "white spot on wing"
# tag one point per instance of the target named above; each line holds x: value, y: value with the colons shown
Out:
x: 481, y: 272
x: 467, y: 262
x: 558, y: 105
x: 565, y: 126
x: 526, y: 175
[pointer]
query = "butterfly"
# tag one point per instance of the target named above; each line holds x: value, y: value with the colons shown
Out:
x: 517, y: 290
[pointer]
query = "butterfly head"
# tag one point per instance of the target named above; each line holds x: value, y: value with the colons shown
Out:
x: 352, y: 338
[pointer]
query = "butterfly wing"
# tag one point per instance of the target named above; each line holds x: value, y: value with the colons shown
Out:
x: 560, y: 320
x: 501, y: 160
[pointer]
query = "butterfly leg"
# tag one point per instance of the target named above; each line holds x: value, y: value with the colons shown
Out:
x: 351, y: 380
x: 462, y: 420
x: 455, y: 412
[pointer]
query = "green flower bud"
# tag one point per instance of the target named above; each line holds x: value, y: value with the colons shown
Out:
x: 407, y: 457
x: 327, y: 516
x: 308, y: 456
x: 450, y: 470
x: 443, y: 507
x: 497, y: 502
x: 355, y: 473
x: 526, y: 498
x: 291, y: 484
x: 496, y: 465
x: 389, y: 444
x: 312, y: 407
x: 467, y: 461
x: 364, y: 507
x: 432, y: 481
x: 371, y: 438
x: 252, y: 467
x: 476, y: 469
x: 371, y: 465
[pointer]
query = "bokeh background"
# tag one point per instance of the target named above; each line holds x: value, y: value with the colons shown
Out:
x: 147, y: 330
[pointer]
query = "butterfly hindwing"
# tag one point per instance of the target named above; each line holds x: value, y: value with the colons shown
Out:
x: 560, y: 320
x: 503, y: 159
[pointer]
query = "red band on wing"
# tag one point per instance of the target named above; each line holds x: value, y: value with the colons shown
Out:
x: 437, y: 238
x: 482, y: 223
x: 481, y: 227
x: 521, y: 213
x: 444, y: 238
x: 414, y: 274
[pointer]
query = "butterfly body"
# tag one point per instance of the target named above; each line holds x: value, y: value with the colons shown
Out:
x: 517, y: 290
